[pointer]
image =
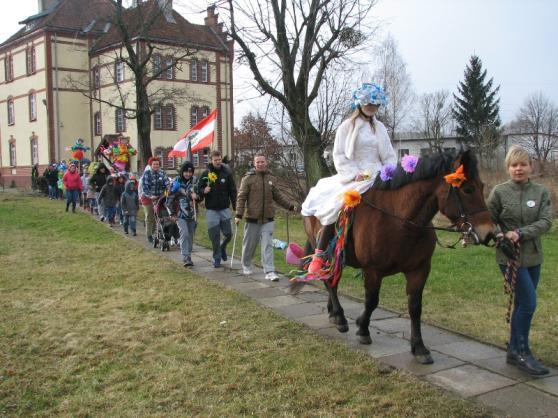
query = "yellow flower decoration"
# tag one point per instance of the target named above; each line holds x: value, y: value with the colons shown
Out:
x: 351, y: 198
x: 212, y: 177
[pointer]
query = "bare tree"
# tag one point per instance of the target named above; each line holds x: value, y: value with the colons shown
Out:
x: 434, y: 118
x: 391, y: 73
x: 290, y: 47
x: 136, y: 45
x: 537, y: 126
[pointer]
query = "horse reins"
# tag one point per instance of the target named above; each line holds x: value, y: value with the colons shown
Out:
x: 452, y: 228
x: 510, y: 279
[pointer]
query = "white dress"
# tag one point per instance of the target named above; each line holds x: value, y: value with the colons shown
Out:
x: 357, y: 150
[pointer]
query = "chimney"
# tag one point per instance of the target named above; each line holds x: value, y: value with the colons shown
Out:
x: 46, y: 5
x: 211, y: 18
x: 166, y: 7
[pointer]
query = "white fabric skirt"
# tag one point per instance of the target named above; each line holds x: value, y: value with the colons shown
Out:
x: 325, y: 199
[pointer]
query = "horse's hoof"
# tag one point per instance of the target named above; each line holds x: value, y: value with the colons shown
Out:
x: 424, y: 358
x: 365, y: 339
x: 342, y: 327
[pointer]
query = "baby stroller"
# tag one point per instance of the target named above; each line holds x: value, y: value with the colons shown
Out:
x: 166, y: 230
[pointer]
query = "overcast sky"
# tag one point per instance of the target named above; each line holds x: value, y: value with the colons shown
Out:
x: 516, y: 40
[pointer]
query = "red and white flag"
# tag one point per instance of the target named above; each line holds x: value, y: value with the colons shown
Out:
x: 197, y: 138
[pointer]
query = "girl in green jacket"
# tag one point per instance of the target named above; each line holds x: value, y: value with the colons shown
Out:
x: 523, y: 211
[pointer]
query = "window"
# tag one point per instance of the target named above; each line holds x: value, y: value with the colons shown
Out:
x: 194, y: 70
x: 96, y: 77
x: 30, y: 59
x: 98, y: 124
x: 424, y: 152
x: 204, y: 71
x: 119, y: 71
x: 12, y: 152
x: 196, y: 160
x: 9, y: 67
x: 403, y: 152
x: 11, y: 111
x: 170, y: 161
x: 193, y: 115
x: 169, y: 72
x: 197, y: 113
x: 34, y: 150
x: 157, y: 66
x: 120, y: 120
x: 164, y: 117
x: 32, y: 106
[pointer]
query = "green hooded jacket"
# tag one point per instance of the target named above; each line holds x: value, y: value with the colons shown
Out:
x: 524, y: 207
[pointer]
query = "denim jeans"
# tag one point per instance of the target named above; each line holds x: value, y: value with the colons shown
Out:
x: 53, y: 191
x: 72, y: 197
x: 129, y: 221
x: 111, y: 213
x: 219, y: 221
x: 187, y: 228
x: 525, y: 303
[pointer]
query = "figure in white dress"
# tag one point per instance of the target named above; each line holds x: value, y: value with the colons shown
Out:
x: 362, y: 146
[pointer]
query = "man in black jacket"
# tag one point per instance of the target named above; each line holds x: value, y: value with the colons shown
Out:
x: 51, y: 175
x: 217, y: 186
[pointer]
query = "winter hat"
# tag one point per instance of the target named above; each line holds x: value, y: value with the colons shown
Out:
x: 369, y: 93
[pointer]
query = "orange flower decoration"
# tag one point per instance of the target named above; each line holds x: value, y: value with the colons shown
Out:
x: 351, y: 199
x: 456, y: 179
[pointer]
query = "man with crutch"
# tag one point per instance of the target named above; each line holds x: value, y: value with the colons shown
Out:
x: 258, y: 190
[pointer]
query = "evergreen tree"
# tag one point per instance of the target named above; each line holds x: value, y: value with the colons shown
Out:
x: 477, y: 110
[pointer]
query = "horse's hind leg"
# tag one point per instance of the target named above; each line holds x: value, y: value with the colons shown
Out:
x: 415, y: 286
x: 372, y: 285
x: 335, y: 310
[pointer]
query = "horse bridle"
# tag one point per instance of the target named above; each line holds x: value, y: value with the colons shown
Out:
x: 466, y: 234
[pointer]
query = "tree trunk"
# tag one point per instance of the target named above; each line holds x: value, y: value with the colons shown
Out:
x: 143, y: 125
x: 310, y: 141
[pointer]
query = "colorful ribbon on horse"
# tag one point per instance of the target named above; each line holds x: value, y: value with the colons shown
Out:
x: 456, y: 178
x: 335, y: 251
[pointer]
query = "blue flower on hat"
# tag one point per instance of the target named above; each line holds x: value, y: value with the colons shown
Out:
x: 369, y: 93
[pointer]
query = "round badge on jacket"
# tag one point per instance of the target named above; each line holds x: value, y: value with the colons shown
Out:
x: 270, y: 183
x: 531, y: 203
x: 222, y: 180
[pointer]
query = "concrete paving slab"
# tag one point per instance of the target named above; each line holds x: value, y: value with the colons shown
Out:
x: 276, y: 301
x: 433, y: 336
x: 406, y: 361
x: 299, y: 310
x: 469, y: 350
x: 386, y: 345
x: 469, y: 380
x: 262, y: 292
x: 316, y: 321
x: 521, y: 401
x: 313, y: 296
x: 548, y: 384
x: 392, y: 325
x: 248, y: 285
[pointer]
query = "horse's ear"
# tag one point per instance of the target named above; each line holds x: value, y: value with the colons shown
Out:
x: 469, y: 161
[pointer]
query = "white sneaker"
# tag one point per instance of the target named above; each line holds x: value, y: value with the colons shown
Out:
x: 272, y: 276
x: 246, y: 271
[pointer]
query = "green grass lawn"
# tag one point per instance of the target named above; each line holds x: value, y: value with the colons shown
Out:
x: 95, y: 325
x: 464, y: 292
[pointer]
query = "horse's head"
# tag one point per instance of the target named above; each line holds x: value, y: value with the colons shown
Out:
x: 460, y: 199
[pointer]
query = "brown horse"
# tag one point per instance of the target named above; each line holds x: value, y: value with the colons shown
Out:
x: 392, y: 233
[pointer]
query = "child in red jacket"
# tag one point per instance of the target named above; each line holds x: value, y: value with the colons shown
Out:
x: 72, y: 183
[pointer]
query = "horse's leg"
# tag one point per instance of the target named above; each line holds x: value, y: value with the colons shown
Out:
x: 372, y: 283
x: 335, y: 310
x: 415, y: 285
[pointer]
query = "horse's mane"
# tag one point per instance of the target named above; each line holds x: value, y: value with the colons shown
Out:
x: 428, y: 167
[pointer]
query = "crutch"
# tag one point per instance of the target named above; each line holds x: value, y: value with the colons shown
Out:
x: 234, y: 243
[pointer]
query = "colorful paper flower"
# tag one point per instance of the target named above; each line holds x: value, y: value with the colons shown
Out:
x: 409, y: 163
x: 351, y: 199
x: 457, y: 178
x: 387, y: 171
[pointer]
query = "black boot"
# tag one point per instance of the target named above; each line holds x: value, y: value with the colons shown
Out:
x: 511, y: 356
x: 526, y: 362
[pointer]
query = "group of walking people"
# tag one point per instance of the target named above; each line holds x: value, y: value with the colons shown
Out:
x: 217, y: 188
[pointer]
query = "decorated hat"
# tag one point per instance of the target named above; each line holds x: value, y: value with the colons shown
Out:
x: 369, y: 93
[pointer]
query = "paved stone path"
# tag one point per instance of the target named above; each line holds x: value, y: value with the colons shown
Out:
x: 463, y: 366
